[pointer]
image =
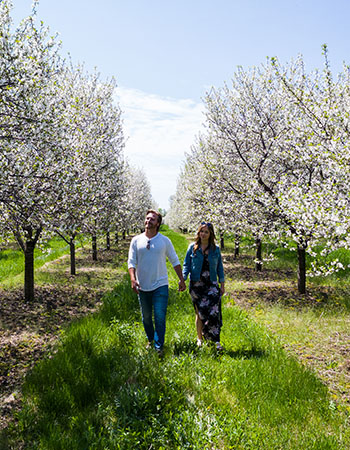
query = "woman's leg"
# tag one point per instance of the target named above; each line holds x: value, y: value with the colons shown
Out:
x: 199, y: 325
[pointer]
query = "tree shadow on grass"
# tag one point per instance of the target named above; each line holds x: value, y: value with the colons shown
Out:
x: 253, y: 353
x: 185, y: 346
x: 317, y: 297
x: 190, y: 347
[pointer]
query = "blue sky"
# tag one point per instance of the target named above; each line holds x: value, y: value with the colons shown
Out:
x: 166, y: 54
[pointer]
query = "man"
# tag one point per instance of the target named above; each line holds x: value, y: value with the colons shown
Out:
x: 149, y: 278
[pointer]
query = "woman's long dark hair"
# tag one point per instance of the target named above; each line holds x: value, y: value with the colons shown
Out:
x: 197, y: 241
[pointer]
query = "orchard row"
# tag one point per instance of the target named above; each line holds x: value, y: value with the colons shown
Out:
x: 274, y: 161
x: 62, y: 167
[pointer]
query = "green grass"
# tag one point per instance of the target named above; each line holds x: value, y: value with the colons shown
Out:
x: 102, y: 389
x: 12, y: 260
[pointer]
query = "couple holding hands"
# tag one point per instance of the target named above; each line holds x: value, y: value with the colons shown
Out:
x: 149, y: 279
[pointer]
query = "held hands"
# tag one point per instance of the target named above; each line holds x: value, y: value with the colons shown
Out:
x: 182, y: 285
x: 135, y: 286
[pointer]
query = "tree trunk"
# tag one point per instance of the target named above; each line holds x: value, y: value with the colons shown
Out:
x: 29, y: 271
x: 237, y: 239
x: 94, y: 247
x: 124, y: 234
x: 222, y: 241
x: 72, y: 256
x: 108, y: 241
x: 301, y: 269
x: 28, y: 247
x: 258, y: 255
x: 116, y: 238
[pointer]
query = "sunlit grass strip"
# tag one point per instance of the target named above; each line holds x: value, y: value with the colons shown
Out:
x: 103, y: 390
x: 12, y: 261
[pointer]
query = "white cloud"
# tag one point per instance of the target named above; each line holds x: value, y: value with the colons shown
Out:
x: 159, y: 130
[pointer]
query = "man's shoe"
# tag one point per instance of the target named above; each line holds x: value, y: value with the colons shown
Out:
x: 148, y: 345
x: 199, y: 342
x: 160, y: 351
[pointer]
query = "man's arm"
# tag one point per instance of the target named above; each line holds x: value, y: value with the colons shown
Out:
x: 134, y: 283
x: 132, y: 263
x: 173, y: 258
x: 182, y: 284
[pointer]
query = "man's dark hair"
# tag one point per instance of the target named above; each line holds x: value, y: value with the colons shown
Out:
x: 158, y: 214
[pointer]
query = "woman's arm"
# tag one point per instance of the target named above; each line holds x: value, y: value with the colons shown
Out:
x: 220, y: 269
x: 186, y: 269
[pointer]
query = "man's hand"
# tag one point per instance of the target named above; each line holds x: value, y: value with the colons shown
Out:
x: 182, y: 285
x: 135, y: 286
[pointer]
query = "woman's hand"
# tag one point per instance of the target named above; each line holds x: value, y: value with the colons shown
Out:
x: 222, y: 288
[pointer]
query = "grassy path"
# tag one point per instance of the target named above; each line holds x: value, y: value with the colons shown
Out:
x: 101, y: 389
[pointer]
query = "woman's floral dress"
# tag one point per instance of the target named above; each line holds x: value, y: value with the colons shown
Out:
x: 206, y: 299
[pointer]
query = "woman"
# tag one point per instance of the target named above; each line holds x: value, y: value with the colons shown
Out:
x: 203, y: 263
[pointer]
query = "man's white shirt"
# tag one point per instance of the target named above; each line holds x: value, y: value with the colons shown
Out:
x: 148, y: 257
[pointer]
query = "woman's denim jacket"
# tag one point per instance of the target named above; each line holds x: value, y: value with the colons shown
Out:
x: 194, y: 261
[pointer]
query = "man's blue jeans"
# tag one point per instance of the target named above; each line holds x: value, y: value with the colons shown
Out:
x: 154, y: 301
